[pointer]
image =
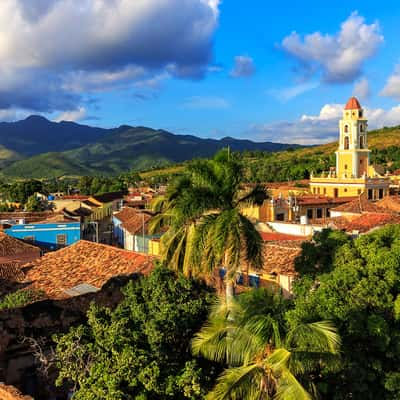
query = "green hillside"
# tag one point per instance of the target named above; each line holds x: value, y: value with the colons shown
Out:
x: 127, y: 148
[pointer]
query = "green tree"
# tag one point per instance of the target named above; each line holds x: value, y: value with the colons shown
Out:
x: 141, y: 350
x: 361, y: 294
x: 207, y: 229
x: 36, y: 204
x: 266, y: 359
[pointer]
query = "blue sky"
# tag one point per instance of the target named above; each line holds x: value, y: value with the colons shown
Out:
x: 277, y: 71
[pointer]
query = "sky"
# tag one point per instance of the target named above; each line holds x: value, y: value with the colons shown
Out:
x: 259, y: 70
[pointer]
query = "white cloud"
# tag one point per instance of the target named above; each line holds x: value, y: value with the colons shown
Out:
x: 72, y: 115
x: 323, y: 127
x: 12, y: 114
x: 206, y: 102
x: 338, y: 57
x: 48, y: 47
x: 392, y: 87
x: 361, y: 89
x: 291, y: 92
x: 243, y: 67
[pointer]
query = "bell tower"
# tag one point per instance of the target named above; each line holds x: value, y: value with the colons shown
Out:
x: 352, y: 156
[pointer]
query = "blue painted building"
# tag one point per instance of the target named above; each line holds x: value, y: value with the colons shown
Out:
x: 50, y: 236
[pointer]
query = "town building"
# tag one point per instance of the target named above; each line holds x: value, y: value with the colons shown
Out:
x: 353, y: 173
x: 50, y: 234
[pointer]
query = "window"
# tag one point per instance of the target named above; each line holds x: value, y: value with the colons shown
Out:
x: 30, y: 239
x: 346, y: 128
x: 361, y: 128
x: 360, y: 113
x: 361, y: 142
x: 318, y: 191
x: 345, y: 190
x: 280, y: 217
x: 61, y: 240
x: 328, y: 213
x: 254, y: 281
x: 346, y: 143
x: 309, y: 213
x: 335, y: 192
x: 319, y: 212
x: 370, y: 194
x: 345, y: 166
x: 381, y: 193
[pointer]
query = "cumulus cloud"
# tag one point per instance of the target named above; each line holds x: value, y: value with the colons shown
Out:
x: 72, y: 115
x: 338, y: 57
x: 206, y: 102
x: 392, y: 86
x: 361, y: 89
x: 243, y: 67
x: 52, y: 48
x: 323, y: 127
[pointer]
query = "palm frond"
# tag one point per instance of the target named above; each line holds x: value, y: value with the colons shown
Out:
x: 289, y: 388
x: 241, y: 383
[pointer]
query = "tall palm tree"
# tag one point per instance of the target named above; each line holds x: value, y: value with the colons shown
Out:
x: 206, y: 228
x: 265, y: 358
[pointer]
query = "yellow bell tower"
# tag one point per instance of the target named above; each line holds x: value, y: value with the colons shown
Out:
x: 353, y: 173
x: 352, y: 156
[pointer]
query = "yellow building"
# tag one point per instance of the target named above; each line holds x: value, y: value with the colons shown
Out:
x: 353, y: 174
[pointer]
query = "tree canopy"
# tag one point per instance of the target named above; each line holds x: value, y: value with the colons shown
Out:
x: 140, y: 350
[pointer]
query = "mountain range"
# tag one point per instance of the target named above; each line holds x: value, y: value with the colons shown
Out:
x: 36, y: 147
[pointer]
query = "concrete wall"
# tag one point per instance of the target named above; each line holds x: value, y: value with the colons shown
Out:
x: 295, y: 229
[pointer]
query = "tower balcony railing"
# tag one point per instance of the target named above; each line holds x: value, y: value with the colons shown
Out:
x: 333, y: 177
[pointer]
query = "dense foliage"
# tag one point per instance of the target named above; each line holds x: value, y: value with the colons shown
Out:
x: 265, y: 357
x: 141, y: 350
x: 20, y: 298
x: 359, y: 288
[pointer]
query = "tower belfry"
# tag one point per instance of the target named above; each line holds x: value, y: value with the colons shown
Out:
x: 353, y: 173
x: 352, y: 156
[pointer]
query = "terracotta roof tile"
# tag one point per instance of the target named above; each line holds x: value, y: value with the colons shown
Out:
x: 316, y: 199
x: 275, y: 236
x: 390, y: 203
x: 279, y: 257
x: 132, y: 220
x: 365, y: 222
x: 83, y: 263
x: 352, y: 104
x: 359, y: 205
x: 12, y: 393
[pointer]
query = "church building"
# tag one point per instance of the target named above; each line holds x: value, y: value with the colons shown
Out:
x: 353, y: 174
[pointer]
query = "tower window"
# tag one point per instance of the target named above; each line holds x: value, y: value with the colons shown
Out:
x: 361, y: 128
x: 360, y: 113
x: 346, y: 143
x: 361, y: 142
x: 346, y: 128
x: 345, y: 166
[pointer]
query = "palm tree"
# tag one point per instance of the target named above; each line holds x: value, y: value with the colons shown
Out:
x: 206, y: 228
x: 265, y: 358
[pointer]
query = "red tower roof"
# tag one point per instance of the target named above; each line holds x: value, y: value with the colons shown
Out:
x: 353, y: 104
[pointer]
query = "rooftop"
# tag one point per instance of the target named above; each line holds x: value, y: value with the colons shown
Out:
x: 359, y: 205
x: 277, y: 237
x: 108, y: 197
x: 83, y: 263
x: 317, y: 199
x: 352, y: 104
x: 132, y: 220
x: 365, y: 222
x: 11, y: 393
x: 280, y: 256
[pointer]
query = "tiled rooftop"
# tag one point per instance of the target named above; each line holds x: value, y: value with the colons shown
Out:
x: 317, y: 199
x: 365, y: 222
x: 359, y: 205
x: 82, y: 263
x: 132, y: 220
x: 275, y: 236
x: 280, y: 256
x: 108, y: 197
x: 11, y: 393
x: 390, y: 203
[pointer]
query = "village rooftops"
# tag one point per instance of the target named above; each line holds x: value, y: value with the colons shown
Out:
x: 28, y: 217
x: 317, y: 199
x: 133, y: 221
x: 13, y: 254
x: 358, y: 206
x: 82, y: 267
x: 276, y: 236
x: 365, y: 222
